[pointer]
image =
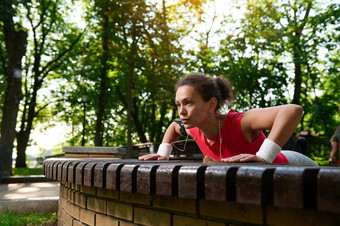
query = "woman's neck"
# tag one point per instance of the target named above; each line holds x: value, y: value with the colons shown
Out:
x: 211, y: 127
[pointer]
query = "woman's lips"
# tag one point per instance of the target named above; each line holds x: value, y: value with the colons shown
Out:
x: 184, y: 120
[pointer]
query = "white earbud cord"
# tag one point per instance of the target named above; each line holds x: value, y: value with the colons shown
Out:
x: 186, y: 140
x: 181, y: 141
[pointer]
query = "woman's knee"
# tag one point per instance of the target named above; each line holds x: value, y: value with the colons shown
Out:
x: 295, y: 158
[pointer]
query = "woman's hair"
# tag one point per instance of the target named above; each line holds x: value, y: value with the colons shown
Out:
x: 218, y: 87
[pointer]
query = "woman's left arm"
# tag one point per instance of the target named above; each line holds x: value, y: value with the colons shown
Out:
x: 280, y: 120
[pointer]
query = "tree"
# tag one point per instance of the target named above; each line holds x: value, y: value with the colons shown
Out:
x: 259, y: 79
x: 15, y: 40
x: 48, y: 53
x: 135, y: 37
x: 133, y: 54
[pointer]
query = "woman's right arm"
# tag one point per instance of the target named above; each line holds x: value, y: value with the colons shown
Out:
x: 171, y: 135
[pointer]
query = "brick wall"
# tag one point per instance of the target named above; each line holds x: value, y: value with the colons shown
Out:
x: 79, y: 205
x: 129, y: 192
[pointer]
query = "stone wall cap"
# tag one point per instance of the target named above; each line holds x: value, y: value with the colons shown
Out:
x: 93, y: 150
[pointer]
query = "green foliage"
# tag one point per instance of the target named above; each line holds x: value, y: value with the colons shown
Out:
x: 9, y: 219
x: 249, y: 59
x: 318, y: 149
x: 276, y: 52
x: 157, y: 64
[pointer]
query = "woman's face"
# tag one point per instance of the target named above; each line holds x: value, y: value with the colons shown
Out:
x: 192, y: 109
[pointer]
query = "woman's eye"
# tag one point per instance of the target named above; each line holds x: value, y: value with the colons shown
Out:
x: 188, y: 103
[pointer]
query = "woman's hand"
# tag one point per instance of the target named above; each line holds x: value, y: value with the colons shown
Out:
x: 151, y: 157
x: 244, y: 158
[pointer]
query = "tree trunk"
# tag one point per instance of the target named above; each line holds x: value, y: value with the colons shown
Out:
x: 129, y: 90
x: 298, y: 57
x: 22, y: 140
x: 27, y: 122
x: 153, y: 122
x: 101, y: 103
x: 16, y: 47
x: 133, y: 115
x: 138, y: 124
x: 159, y: 134
x: 298, y: 78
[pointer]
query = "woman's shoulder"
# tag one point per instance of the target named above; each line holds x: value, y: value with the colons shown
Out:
x: 234, y: 115
x: 232, y: 118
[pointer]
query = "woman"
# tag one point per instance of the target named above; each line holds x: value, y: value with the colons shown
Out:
x: 301, y: 141
x: 234, y: 137
x: 335, y: 145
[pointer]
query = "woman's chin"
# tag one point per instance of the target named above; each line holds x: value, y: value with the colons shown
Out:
x: 188, y: 126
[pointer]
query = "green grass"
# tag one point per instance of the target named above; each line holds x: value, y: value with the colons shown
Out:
x: 9, y: 218
x: 27, y: 171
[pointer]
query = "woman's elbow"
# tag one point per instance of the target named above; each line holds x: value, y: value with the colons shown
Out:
x: 297, y: 110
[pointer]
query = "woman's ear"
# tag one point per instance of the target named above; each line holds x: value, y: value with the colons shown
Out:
x: 212, y: 104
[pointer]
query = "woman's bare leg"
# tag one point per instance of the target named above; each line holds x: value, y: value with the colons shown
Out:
x: 333, y: 150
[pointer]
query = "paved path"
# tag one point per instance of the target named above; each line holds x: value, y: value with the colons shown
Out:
x: 29, y: 197
x: 29, y: 191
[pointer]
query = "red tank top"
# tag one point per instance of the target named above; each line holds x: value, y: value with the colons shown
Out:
x: 233, y: 140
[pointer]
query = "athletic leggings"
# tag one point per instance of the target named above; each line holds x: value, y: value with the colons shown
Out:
x: 298, y: 159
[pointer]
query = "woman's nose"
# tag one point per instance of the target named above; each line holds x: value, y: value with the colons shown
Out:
x: 181, y: 110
